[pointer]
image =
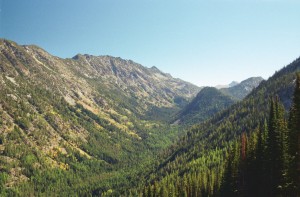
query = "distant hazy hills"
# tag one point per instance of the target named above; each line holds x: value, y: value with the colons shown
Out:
x: 210, y: 101
x: 233, y: 83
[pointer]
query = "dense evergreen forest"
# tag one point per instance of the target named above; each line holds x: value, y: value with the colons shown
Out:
x: 266, y: 163
x: 259, y: 162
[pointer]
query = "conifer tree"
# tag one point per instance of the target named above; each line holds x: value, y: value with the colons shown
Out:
x: 228, y: 182
x: 294, y: 141
x: 282, y: 148
x: 260, y: 162
x: 163, y: 191
x: 242, y: 165
x: 228, y: 186
x: 270, y: 150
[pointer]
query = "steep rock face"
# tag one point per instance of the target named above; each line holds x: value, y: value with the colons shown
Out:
x: 241, y: 90
x: 208, y: 102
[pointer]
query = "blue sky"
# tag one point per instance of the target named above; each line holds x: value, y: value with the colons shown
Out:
x: 205, y: 42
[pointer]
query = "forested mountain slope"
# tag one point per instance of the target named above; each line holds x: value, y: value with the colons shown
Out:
x: 208, y: 102
x: 195, y: 164
x: 266, y: 161
x: 80, y: 122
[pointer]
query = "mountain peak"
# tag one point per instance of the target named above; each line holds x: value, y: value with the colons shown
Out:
x: 252, y: 80
x: 155, y: 69
x: 241, y: 90
x: 77, y: 56
x: 233, y: 83
x: 208, y: 102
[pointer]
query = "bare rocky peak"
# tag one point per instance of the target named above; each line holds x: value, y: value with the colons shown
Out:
x: 252, y: 82
x: 128, y: 74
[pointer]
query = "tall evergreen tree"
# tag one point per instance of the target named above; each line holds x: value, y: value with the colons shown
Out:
x: 260, y: 162
x: 294, y: 141
x: 228, y: 186
x: 271, y: 150
x: 282, y: 147
x: 243, y: 165
x: 267, y: 161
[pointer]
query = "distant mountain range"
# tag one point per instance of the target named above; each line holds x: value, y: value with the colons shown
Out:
x: 233, y: 83
x: 210, y: 101
x: 238, y: 91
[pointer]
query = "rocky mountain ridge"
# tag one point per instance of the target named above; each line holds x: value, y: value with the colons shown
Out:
x: 57, y: 113
x: 238, y: 91
x: 210, y: 101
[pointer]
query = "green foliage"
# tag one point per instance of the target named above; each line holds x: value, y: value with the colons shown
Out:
x: 1, y: 138
x: 3, y: 179
x: 23, y: 123
x: 208, y: 102
x: 116, y: 156
x: 266, y: 167
x: 294, y: 139
x: 15, y: 134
